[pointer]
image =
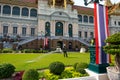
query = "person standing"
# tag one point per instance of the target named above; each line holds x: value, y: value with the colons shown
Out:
x: 65, y: 52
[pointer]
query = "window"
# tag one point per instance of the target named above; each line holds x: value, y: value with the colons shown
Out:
x: 85, y: 34
x: 59, y: 29
x: 115, y: 22
x: 119, y: 23
x: 70, y: 30
x: 33, y: 13
x: 80, y: 34
x: 0, y: 8
x: 79, y: 18
x: 85, y: 19
x: 25, y: 12
x: 23, y: 31
x: 32, y: 31
x: 91, y: 35
x: 16, y: 11
x: 6, y: 9
x: 90, y: 19
x: 14, y: 30
x: 47, y: 29
x: 5, y: 29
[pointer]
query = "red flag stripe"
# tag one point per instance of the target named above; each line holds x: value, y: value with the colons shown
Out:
x: 96, y: 33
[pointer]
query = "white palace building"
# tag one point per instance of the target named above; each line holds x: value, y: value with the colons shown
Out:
x: 33, y: 24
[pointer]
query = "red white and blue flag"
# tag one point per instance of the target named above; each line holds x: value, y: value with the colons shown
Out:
x: 101, y: 32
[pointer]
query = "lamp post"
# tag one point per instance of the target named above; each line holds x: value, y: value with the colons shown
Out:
x: 98, y: 59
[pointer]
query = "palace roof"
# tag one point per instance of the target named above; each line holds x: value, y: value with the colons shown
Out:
x: 29, y: 3
x: 84, y: 10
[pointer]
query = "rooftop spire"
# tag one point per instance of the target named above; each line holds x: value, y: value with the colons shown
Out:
x: 108, y: 3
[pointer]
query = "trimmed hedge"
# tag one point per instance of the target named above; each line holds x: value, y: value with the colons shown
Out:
x: 79, y: 67
x: 56, y: 67
x: 6, y: 70
x: 7, y: 50
x: 30, y: 74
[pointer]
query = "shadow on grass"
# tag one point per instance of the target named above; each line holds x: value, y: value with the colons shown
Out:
x: 72, y: 57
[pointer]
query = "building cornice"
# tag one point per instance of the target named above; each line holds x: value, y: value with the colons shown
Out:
x: 19, y: 2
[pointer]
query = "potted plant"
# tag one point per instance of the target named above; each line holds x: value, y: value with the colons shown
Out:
x: 113, y: 47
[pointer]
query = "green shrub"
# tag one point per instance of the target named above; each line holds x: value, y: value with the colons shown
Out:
x: 56, y: 67
x: 50, y: 76
x: 28, y: 50
x: 7, y: 50
x: 30, y: 74
x: 74, y: 66
x: 0, y: 50
x: 6, y: 70
x: 81, y: 70
x: 82, y: 65
x: 69, y: 73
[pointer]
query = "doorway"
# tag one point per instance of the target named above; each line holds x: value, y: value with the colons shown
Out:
x: 60, y: 44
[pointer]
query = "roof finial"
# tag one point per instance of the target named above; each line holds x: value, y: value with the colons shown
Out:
x: 108, y: 3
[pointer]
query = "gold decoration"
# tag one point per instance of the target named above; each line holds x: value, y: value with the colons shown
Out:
x: 53, y: 3
x: 65, y: 4
x: 114, y: 9
x: 108, y: 3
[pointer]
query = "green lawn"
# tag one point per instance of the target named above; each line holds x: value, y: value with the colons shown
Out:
x: 39, y: 61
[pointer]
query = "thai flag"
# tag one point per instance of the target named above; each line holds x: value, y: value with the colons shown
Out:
x: 45, y: 41
x: 101, y: 32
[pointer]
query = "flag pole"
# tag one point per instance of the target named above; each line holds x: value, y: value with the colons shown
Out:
x: 98, y: 58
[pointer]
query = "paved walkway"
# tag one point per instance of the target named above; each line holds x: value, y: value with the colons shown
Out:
x: 81, y: 78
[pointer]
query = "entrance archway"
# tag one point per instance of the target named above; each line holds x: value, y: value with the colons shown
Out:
x: 70, y: 45
x: 60, y: 44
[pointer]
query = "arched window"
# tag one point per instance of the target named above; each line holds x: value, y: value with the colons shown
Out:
x: 47, y: 29
x: 6, y: 9
x: 33, y: 13
x: 90, y: 19
x: 16, y: 11
x: 59, y: 29
x: 79, y: 18
x: 70, y: 30
x: 25, y: 12
x: 85, y: 19
x: 0, y: 8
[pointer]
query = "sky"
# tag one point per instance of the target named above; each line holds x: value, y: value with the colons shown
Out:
x: 81, y: 2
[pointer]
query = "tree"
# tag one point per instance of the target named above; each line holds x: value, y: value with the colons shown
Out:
x: 113, y: 47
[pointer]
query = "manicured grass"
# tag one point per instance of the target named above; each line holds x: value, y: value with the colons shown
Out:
x: 39, y: 61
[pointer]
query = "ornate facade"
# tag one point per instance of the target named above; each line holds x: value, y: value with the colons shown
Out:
x: 30, y: 22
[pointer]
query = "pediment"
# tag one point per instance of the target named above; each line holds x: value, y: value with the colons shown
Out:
x: 61, y: 14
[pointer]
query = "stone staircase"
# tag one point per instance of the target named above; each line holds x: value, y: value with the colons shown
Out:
x: 27, y: 40
x: 7, y: 45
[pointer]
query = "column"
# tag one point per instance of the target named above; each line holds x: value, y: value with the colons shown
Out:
x: 11, y: 11
x: 20, y: 12
x: 29, y: 12
x: 1, y: 10
x: 65, y: 27
x: 52, y: 28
